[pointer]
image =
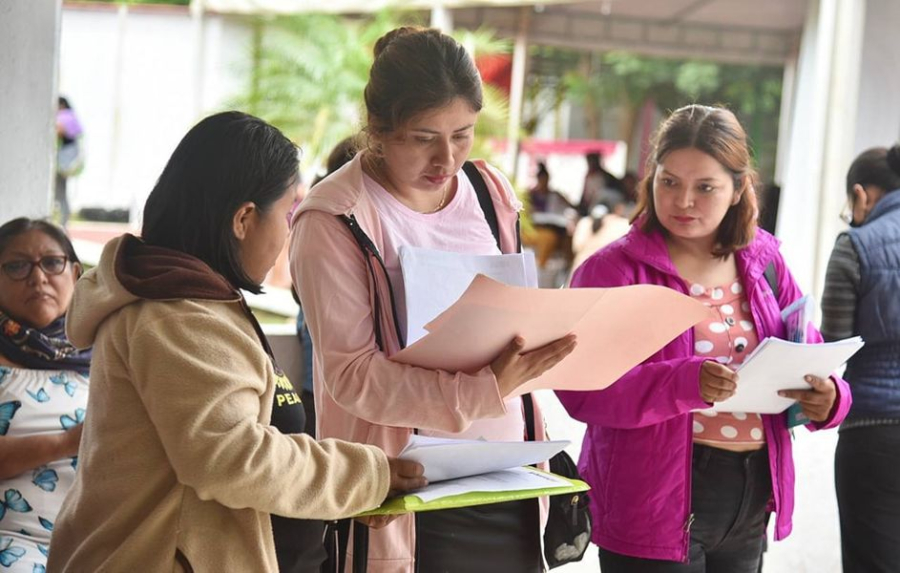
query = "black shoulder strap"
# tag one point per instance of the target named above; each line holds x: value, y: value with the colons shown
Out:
x: 528, y: 406
x: 487, y: 204
x: 772, y: 278
x: 369, y: 250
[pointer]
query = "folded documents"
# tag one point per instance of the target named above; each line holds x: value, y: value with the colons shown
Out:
x: 781, y: 365
x: 617, y: 328
x: 495, y: 487
x: 446, y: 459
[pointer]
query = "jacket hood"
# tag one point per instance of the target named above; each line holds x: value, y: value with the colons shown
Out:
x: 130, y: 271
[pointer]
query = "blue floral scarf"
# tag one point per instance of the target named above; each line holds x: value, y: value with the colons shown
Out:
x: 41, y: 349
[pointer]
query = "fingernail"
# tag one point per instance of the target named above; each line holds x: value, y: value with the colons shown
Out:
x: 782, y: 394
x: 809, y: 379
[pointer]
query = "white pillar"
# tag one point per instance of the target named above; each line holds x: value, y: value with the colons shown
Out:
x: 821, y: 137
x: 29, y: 55
x: 878, y: 115
x: 442, y: 19
x: 516, y: 93
x: 788, y: 91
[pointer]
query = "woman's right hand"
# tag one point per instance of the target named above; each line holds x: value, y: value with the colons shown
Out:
x: 717, y: 382
x: 514, y: 367
x: 406, y: 475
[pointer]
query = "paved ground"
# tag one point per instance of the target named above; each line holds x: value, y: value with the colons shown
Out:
x: 813, y: 547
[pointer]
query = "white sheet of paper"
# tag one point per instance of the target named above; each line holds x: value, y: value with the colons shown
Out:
x: 514, y: 479
x: 446, y: 459
x: 434, y: 280
x: 781, y: 365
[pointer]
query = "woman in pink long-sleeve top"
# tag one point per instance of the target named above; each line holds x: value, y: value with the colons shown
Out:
x: 413, y: 186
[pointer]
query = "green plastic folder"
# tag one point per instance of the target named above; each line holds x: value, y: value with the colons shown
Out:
x: 411, y: 504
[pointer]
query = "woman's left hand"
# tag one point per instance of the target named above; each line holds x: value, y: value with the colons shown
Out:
x: 817, y: 402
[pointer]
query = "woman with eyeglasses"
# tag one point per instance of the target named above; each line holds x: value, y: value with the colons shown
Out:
x: 43, y: 388
x: 861, y: 299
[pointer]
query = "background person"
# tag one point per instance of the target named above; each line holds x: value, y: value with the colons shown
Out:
x: 600, y: 186
x: 69, y: 157
x: 675, y: 489
x: 180, y: 468
x: 861, y: 299
x: 553, y: 218
x: 43, y: 387
x: 408, y: 188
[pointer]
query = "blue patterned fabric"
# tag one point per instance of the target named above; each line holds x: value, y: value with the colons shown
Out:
x: 36, y: 402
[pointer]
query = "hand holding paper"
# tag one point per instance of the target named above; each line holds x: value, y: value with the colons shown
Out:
x: 817, y: 402
x: 469, y: 472
x: 778, y: 365
x: 514, y: 367
x: 616, y: 328
x: 406, y: 475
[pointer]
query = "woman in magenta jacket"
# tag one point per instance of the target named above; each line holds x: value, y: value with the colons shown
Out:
x: 674, y: 489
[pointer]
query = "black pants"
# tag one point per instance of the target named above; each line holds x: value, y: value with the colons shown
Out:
x: 866, y: 466
x: 495, y: 538
x: 729, y: 494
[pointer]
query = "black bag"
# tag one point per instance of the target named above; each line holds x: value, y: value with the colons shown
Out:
x: 568, y: 531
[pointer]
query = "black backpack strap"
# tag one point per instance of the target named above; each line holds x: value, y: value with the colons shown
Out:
x: 487, y: 204
x: 484, y: 199
x: 528, y: 406
x: 369, y: 250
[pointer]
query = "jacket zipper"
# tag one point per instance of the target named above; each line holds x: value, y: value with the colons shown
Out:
x: 769, y: 421
x: 686, y: 541
x: 687, y: 537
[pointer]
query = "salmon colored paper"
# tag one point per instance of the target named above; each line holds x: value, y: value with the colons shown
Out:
x: 617, y: 329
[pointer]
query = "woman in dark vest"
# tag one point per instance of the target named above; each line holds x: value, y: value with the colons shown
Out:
x: 862, y: 297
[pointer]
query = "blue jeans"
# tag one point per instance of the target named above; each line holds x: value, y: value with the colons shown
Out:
x: 729, y: 495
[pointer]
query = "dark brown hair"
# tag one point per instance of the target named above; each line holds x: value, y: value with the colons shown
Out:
x: 716, y: 132
x: 12, y: 229
x: 877, y: 166
x: 225, y: 160
x: 417, y: 70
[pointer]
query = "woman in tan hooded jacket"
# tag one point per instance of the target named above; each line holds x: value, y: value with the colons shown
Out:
x: 180, y: 468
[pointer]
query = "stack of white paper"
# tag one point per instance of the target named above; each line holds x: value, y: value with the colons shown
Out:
x: 445, y: 459
x: 515, y: 479
x: 433, y: 280
x: 781, y: 365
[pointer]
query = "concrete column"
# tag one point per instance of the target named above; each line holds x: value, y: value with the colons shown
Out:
x: 878, y: 115
x: 516, y: 93
x: 442, y: 19
x: 29, y: 55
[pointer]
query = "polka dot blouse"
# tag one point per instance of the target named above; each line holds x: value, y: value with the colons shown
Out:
x: 727, y: 335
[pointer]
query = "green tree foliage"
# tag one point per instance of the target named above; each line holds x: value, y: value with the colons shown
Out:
x: 626, y: 81
x: 307, y: 74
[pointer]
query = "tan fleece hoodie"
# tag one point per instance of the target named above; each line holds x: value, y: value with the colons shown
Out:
x: 179, y: 468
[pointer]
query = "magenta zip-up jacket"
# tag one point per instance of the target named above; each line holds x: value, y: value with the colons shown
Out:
x: 637, y: 449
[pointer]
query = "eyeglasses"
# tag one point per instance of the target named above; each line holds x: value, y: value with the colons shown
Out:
x: 21, y: 270
x: 847, y: 212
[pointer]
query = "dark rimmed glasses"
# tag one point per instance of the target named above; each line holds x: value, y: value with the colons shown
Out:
x: 21, y: 269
